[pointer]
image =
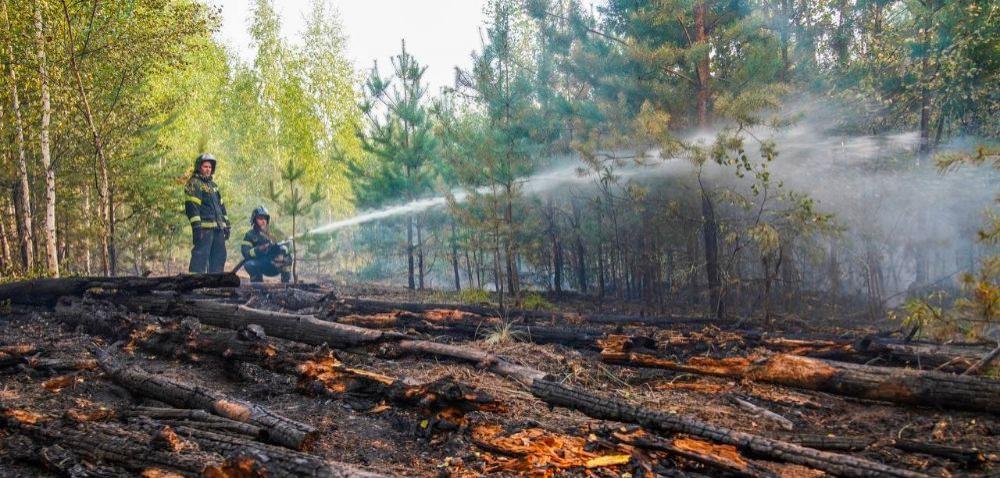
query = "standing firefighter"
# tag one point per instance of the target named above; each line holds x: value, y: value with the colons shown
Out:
x: 209, y: 223
x: 261, y: 255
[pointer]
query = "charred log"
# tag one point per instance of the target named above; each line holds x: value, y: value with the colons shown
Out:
x: 46, y: 292
x: 906, y: 386
x: 277, y: 429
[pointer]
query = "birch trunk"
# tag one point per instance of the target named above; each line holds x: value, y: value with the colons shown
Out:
x: 22, y: 197
x: 51, y: 249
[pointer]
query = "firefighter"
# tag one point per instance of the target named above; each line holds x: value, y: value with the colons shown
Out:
x: 262, y: 256
x: 209, y: 223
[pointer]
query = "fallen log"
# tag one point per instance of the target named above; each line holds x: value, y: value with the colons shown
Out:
x: 277, y: 429
x: 264, y: 459
x: 724, y: 458
x: 193, y: 418
x: 108, y: 443
x: 368, y: 307
x: 898, y: 385
x: 967, y: 456
x: 613, y: 409
x: 445, y: 401
x: 535, y: 380
x: 446, y: 323
x: 15, y: 354
x: 45, y: 292
x: 282, y: 296
x: 300, y: 328
x: 145, y: 445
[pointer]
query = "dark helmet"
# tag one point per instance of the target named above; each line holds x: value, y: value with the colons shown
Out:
x: 202, y: 158
x: 257, y: 212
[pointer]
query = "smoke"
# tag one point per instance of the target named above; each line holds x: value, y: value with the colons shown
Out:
x: 877, y: 187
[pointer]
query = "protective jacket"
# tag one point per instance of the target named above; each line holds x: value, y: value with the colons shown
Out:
x: 203, y: 203
x: 252, y: 240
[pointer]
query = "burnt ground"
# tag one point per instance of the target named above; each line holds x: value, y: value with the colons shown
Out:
x: 539, y: 440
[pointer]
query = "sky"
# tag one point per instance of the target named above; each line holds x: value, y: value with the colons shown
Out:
x: 441, y: 34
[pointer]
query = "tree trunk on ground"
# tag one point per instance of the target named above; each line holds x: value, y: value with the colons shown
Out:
x: 100, y: 442
x: 51, y: 251
x: 104, y: 183
x: 368, y: 307
x: 22, y: 198
x: 279, y: 430
x: 614, y: 409
x: 906, y: 386
x: 48, y: 291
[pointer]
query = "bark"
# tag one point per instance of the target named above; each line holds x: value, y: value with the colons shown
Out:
x: 48, y: 291
x: 278, y: 429
x: 51, y: 250
x: 22, y: 198
x: 905, y: 386
x: 104, y: 183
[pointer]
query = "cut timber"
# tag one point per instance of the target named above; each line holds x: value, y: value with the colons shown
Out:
x: 608, y: 409
x: 898, y: 385
x: 277, y: 429
x: 47, y: 291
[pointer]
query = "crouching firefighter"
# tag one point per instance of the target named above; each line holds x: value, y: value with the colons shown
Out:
x: 209, y: 223
x: 261, y: 254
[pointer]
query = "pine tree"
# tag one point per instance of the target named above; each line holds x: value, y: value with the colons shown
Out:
x: 292, y: 202
x: 399, y: 134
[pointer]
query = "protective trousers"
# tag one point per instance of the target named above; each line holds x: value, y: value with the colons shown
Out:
x: 258, y: 268
x: 209, y: 251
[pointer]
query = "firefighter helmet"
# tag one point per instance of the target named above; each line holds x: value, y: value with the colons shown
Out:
x: 202, y: 158
x: 258, y: 212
